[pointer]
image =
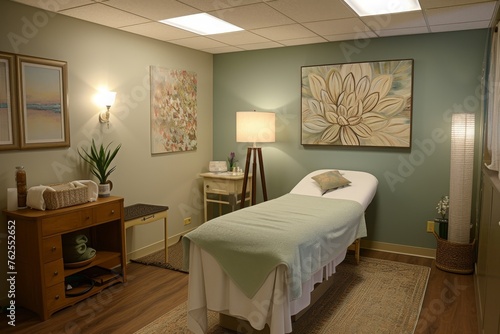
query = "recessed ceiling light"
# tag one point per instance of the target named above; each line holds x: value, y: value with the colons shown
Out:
x: 202, y: 24
x: 380, y: 7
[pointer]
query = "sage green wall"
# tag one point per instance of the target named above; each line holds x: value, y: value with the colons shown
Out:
x: 97, y: 56
x: 447, y: 72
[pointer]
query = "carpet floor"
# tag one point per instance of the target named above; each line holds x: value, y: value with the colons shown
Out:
x: 376, y: 296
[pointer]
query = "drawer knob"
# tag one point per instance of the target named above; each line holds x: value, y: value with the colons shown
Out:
x: 87, y: 218
x: 56, y: 297
x: 54, y: 248
x: 56, y: 273
x: 112, y: 212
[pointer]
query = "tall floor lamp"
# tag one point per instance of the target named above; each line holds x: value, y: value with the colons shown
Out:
x: 254, y: 127
x: 461, y: 174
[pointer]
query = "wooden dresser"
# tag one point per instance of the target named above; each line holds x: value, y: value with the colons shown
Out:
x: 39, y: 268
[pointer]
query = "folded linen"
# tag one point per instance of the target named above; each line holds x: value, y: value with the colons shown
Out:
x: 35, y: 197
x: 93, y: 189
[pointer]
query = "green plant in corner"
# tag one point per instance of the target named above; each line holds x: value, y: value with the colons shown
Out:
x: 99, y: 160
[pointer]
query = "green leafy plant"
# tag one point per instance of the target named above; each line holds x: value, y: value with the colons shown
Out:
x: 99, y: 160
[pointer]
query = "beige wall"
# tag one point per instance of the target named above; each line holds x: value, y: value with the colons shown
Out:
x: 99, y: 56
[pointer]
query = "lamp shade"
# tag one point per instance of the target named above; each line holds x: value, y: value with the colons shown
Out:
x: 255, y: 127
x: 461, y: 175
x: 107, y: 98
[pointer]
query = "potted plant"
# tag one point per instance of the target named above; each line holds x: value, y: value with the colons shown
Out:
x: 442, y: 208
x: 99, y: 160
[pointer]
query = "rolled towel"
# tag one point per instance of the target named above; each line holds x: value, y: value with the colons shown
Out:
x: 80, y: 248
x: 35, y: 197
x: 72, y: 252
x: 71, y: 258
x: 75, y: 239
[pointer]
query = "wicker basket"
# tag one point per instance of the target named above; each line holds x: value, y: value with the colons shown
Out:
x: 65, y: 194
x: 454, y: 257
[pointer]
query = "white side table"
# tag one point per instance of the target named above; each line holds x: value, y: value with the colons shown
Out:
x: 224, y: 189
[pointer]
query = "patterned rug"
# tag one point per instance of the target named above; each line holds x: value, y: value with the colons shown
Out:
x: 175, y: 258
x: 376, y: 296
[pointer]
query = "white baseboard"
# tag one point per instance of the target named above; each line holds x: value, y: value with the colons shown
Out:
x: 398, y: 249
x: 157, y: 246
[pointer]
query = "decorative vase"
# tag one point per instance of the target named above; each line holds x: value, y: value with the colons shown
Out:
x: 105, y: 189
x: 442, y: 228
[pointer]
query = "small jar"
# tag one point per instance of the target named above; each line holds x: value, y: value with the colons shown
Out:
x: 22, y: 191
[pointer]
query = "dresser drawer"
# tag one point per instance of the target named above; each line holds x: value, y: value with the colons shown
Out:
x: 107, y: 212
x: 55, y: 296
x: 51, y: 249
x: 66, y: 222
x: 53, y: 272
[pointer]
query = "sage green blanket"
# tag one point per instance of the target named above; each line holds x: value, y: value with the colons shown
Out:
x: 302, y: 232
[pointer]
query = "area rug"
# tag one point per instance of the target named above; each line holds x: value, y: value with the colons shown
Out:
x: 376, y: 296
x: 175, y: 258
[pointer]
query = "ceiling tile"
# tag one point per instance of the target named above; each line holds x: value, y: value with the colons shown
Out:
x: 259, y: 46
x: 460, y: 26
x: 284, y: 32
x: 303, y: 41
x: 153, y: 9
x: 253, y: 16
x: 273, y: 23
x: 104, y: 15
x: 403, y: 31
x: 210, y: 6
x: 335, y: 27
x: 55, y: 6
x: 427, y: 4
x: 459, y: 14
x: 307, y: 11
x: 350, y: 37
x: 395, y: 21
x: 239, y: 38
x: 198, y: 43
x: 224, y: 49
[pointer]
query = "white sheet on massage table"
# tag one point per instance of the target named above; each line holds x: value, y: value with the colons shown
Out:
x: 224, y: 296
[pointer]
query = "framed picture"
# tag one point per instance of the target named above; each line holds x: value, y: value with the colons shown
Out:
x: 358, y: 104
x: 42, y: 86
x: 173, y: 110
x: 9, y: 138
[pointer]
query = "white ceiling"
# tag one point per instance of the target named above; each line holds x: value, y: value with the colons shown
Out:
x: 274, y: 23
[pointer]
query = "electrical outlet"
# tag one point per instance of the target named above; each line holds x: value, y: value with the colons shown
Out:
x: 187, y: 221
x: 430, y: 226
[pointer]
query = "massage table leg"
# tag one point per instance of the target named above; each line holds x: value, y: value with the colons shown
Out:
x: 356, y: 247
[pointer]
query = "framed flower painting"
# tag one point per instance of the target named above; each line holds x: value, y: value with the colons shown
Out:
x: 173, y: 110
x: 358, y: 104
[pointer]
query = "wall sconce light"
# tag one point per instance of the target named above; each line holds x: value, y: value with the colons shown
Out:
x: 107, y: 99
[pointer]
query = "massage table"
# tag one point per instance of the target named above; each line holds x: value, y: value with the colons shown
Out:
x: 287, y: 288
